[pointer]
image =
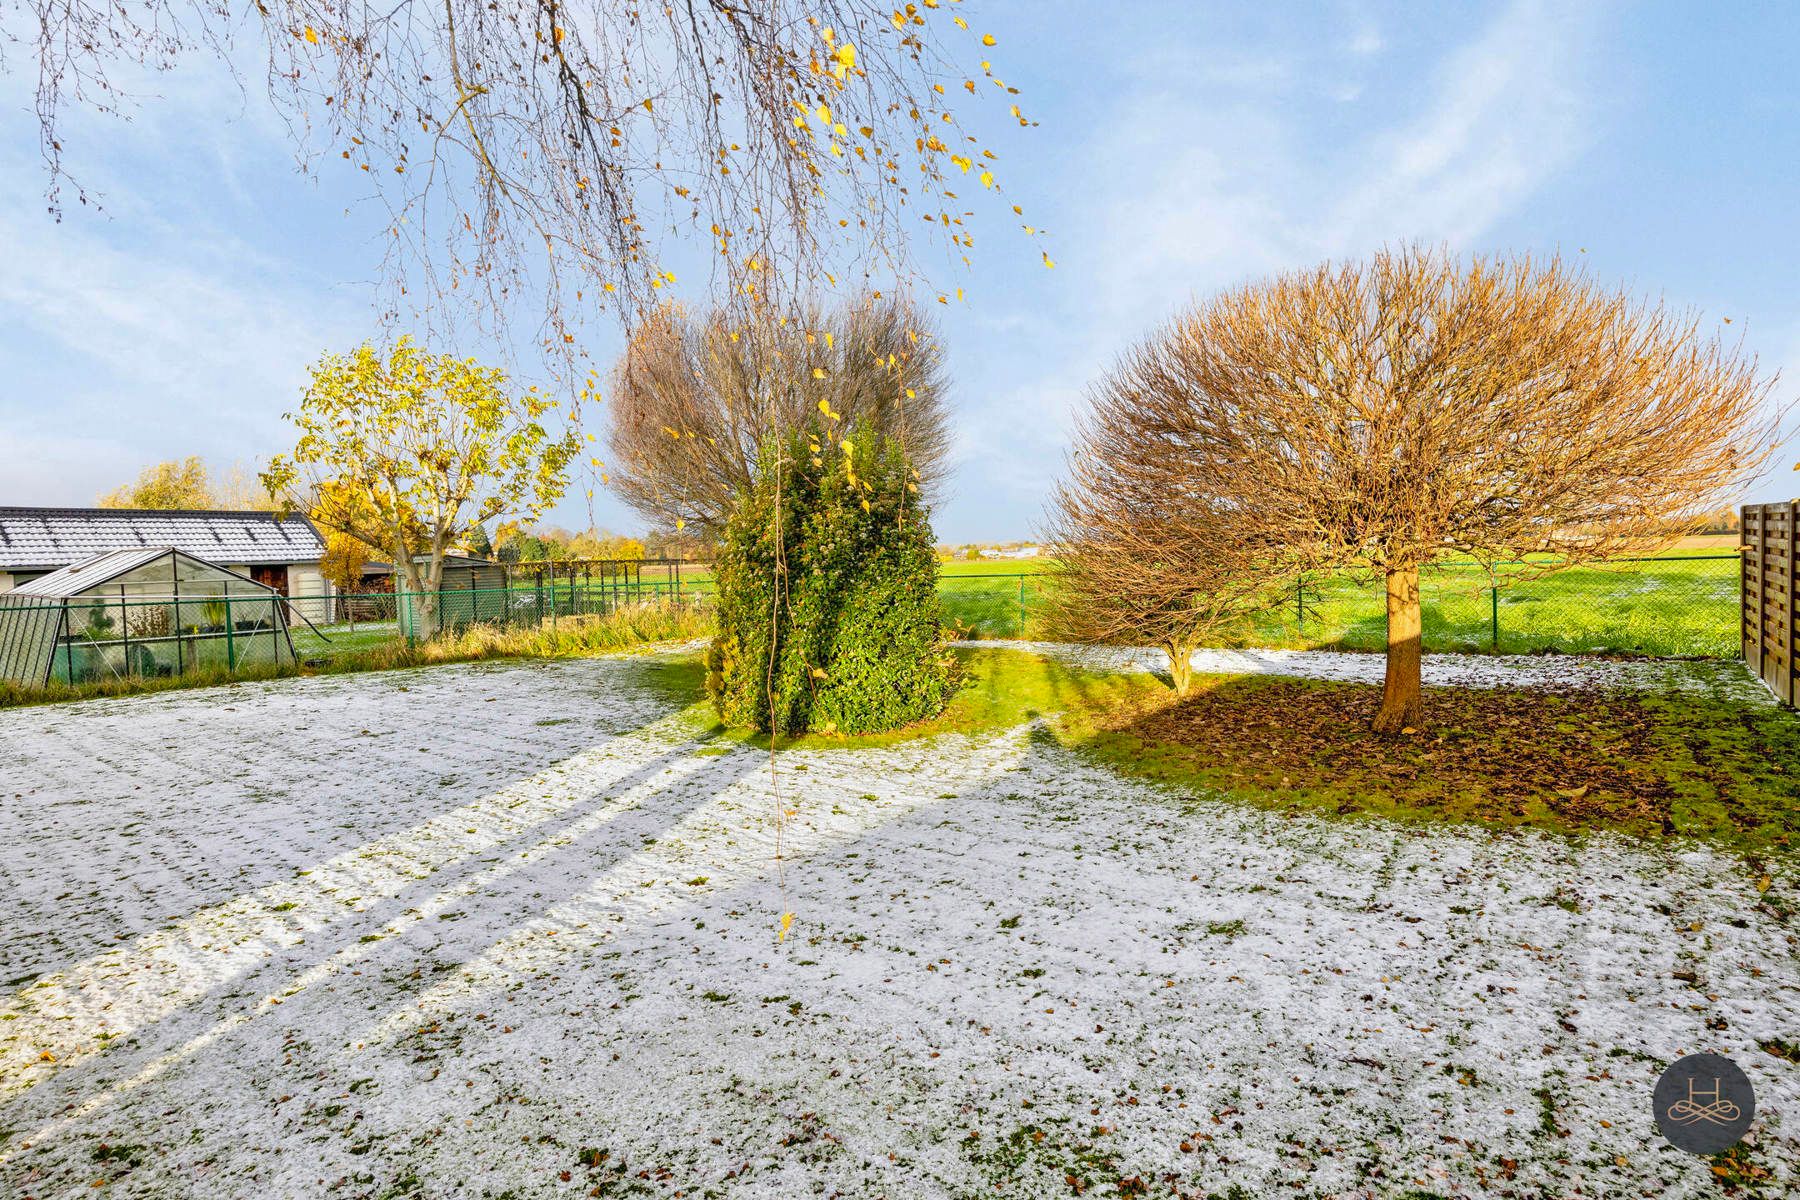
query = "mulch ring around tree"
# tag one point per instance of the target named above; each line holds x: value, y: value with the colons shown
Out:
x: 1576, y: 757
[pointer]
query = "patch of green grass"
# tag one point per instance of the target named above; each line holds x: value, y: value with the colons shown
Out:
x: 123, y: 1155
x: 1684, y: 605
x: 1052, y: 1158
x: 1781, y: 1048
x: 1737, y: 1172
x: 571, y: 637
x: 315, y: 641
x: 1650, y: 764
x: 1001, y: 688
x: 13, y: 695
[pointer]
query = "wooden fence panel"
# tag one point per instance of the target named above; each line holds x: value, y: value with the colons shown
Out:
x: 1770, y: 535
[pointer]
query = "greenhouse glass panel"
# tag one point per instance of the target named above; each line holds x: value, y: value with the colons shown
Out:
x: 150, y: 613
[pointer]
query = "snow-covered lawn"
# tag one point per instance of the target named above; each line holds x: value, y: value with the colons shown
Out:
x: 510, y: 930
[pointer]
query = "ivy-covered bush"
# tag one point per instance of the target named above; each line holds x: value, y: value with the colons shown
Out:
x: 828, y: 611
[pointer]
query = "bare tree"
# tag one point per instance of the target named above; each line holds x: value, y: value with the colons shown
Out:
x: 541, y: 149
x: 1138, y: 560
x: 1382, y: 415
x: 691, y: 401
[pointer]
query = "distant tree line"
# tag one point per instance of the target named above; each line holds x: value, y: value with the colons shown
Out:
x: 188, y: 483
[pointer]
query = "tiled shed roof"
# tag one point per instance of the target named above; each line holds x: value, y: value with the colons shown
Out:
x: 40, y: 539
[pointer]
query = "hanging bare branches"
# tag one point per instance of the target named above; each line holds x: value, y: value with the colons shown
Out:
x: 1138, y: 560
x: 550, y: 153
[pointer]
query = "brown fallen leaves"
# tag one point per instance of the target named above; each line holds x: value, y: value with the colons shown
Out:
x: 1584, y: 757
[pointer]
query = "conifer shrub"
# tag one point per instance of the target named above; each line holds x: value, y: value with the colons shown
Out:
x: 828, y: 616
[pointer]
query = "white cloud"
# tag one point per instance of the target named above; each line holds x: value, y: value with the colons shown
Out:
x: 1503, y: 119
x: 1198, y: 185
x: 153, y: 342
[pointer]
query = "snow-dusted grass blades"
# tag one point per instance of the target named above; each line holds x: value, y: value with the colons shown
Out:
x: 508, y: 928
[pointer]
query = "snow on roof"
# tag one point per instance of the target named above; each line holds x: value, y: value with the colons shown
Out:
x: 48, y: 538
x: 91, y: 573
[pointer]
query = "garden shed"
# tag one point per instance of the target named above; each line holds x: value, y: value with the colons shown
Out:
x: 472, y: 592
x: 154, y: 611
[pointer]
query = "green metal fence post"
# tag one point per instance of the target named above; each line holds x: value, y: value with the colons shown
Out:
x: 1494, y: 599
x: 1021, y: 606
x: 230, y: 640
x: 175, y: 586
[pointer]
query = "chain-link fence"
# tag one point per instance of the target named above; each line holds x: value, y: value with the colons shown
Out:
x: 1676, y: 606
x: 325, y: 627
x: 1680, y: 606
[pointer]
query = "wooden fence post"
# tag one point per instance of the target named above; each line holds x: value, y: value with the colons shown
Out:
x: 1791, y: 680
x: 1762, y: 591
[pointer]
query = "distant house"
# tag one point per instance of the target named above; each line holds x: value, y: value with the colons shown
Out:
x: 461, y: 572
x: 279, y: 551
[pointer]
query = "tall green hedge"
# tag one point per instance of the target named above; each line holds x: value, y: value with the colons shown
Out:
x: 839, y: 631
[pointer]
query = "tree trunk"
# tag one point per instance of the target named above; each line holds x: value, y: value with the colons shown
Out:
x: 1181, y: 666
x: 1402, y: 705
x: 420, y: 601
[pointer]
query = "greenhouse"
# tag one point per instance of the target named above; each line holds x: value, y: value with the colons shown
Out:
x: 147, y: 612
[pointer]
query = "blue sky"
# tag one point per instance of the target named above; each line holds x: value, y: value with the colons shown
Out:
x: 1182, y: 147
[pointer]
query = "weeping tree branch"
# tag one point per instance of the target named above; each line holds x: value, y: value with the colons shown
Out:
x: 546, y: 156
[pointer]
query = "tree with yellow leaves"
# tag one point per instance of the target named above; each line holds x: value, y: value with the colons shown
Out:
x: 179, y: 483
x: 545, y: 150
x: 407, y: 450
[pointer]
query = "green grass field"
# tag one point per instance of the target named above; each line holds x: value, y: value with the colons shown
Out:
x: 1674, y: 606
x: 1681, y: 604
x: 330, y: 640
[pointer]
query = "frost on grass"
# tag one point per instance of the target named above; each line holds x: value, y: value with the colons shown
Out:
x: 1723, y: 680
x: 511, y: 928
